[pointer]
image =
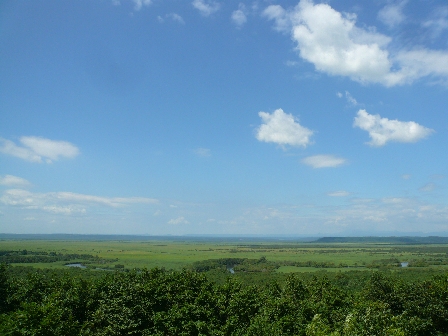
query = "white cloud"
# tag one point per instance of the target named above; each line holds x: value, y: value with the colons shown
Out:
x: 11, y: 180
x: 291, y: 63
x: 206, y: 8
x: 176, y: 17
x: 239, y: 16
x: 37, y: 149
x: 392, y: 14
x: 406, y: 176
x: 283, y: 129
x: 423, y: 62
x: 350, y: 99
x: 66, y: 202
x: 64, y: 210
x: 340, y: 193
x: 178, y: 220
x: 204, y: 152
x: 138, y: 4
x: 382, y: 130
x: 280, y: 16
x: 439, y: 21
x: 323, y: 161
x: 332, y: 42
x: 109, y: 201
x: 428, y: 187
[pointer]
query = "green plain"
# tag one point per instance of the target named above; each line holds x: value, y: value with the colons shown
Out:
x: 179, y: 254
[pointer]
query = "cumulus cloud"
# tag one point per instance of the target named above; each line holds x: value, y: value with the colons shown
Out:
x: 332, y: 42
x: 323, y: 161
x: 340, y: 193
x: 382, y: 130
x: 37, y: 149
x: 11, y: 180
x: 66, y: 202
x: 206, y: 8
x: 178, y: 220
x: 283, y: 129
x: 138, y: 4
x: 239, y: 16
x: 392, y: 15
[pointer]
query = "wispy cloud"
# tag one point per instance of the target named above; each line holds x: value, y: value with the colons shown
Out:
x: 138, y: 4
x: 324, y: 161
x: 350, y: 99
x: 283, y: 129
x: 204, y: 152
x: 392, y: 14
x: 66, y: 202
x: 428, y: 187
x: 11, y: 180
x: 340, y: 193
x: 171, y: 16
x: 332, y: 42
x: 206, y: 8
x: 383, y: 130
x: 438, y: 22
x: 37, y: 149
x: 239, y: 17
x: 178, y: 220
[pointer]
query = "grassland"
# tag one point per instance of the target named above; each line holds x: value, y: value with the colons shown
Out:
x: 284, y: 257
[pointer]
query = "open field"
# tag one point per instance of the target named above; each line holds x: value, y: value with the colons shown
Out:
x: 283, y: 257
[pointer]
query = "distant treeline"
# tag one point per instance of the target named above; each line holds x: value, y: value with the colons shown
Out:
x: 247, y: 265
x: 384, y: 240
x: 24, y: 256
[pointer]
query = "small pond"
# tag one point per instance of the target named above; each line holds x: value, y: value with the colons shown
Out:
x: 76, y: 265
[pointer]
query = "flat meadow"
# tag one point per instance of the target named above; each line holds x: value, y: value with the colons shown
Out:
x: 284, y: 257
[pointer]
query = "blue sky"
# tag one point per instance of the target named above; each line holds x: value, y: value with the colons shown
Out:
x: 212, y: 117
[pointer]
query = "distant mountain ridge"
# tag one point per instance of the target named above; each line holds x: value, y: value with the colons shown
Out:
x: 385, y: 240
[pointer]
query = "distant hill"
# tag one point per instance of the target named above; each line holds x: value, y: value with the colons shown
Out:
x: 385, y: 240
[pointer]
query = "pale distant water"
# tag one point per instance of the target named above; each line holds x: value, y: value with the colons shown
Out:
x: 404, y: 264
x: 76, y: 265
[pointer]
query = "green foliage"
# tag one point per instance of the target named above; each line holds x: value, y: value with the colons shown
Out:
x: 25, y: 256
x: 161, y: 302
x: 203, y: 298
x: 4, y: 288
